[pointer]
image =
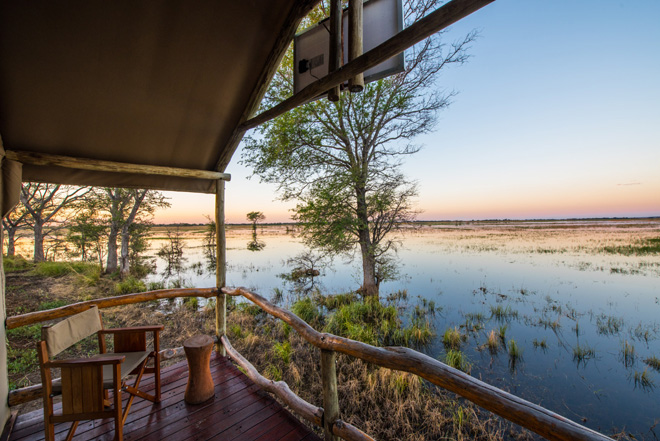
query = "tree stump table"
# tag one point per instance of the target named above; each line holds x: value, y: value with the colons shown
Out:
x: 200, y: 385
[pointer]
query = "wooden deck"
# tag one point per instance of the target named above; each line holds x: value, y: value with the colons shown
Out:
x: 239, y: 411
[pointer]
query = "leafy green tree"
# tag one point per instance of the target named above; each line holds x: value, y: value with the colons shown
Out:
x: 342, y: 161
x: 87, y: 233
x: 255, y: 217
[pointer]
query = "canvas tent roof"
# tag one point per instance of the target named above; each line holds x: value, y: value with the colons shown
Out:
x: 162, y: 83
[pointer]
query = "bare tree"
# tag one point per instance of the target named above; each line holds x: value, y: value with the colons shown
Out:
x: 126, y: 207
x: 12, y: 223
x: 48, y: 206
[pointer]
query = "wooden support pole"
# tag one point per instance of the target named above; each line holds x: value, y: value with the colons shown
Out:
x: 437, y: 20
x: 355, y: 46
x: 34, y: 158
x: 220, y: 265
x: 330, y: 398
x: 335, y: 60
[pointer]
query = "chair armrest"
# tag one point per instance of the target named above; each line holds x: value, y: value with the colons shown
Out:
x: 154, y: 328
x: 116, y: 359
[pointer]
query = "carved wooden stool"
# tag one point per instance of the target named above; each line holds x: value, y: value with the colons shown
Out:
x: 200, y: 386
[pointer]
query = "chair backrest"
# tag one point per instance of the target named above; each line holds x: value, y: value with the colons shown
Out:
x: 70, y: 331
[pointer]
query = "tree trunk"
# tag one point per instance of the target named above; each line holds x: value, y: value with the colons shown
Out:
x: 369, y: 283
x: 111, y: 265
x: 124, y: 267
x: 38, y: 242
x: 11, y: 242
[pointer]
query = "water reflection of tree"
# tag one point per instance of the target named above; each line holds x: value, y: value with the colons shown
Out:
x: 255, y: 244
x: 306, y: 268
x: 210, y: 244
x: 172, y: 253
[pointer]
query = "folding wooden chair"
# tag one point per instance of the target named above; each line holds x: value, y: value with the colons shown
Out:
x: 85, y: 382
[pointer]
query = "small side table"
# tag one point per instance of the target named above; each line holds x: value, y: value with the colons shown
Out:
x: 200, y: 385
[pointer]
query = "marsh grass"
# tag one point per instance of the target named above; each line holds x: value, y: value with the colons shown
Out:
x: 628, y: 354
x: 609, y: 325
x: 643, y: 380
x: 493, y: 342
x: 503, y: 313
x: 583, y: 353
x: 540, y: 344
x: 452, y: 339
x: 501, y: 332
x: 653, y: 362
x: 457, y: 360
x: 515, y: 354
x: 642, y: 247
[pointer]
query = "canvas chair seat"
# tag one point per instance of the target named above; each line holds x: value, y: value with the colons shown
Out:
x: 133, y: 360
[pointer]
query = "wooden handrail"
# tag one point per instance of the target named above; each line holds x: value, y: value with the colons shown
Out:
x: 534, y: 417
x: 279, y: 388
x: 108, y: 302
x: 308, y: 411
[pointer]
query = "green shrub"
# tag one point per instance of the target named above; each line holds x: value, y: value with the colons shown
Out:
x: 376, y: 324
x: 29, y: 331
x: 43, y: 306
x: 308, y: 311
x: 338, y: 300
x: 191, y: 302
x: 21, y: 361
x: 16, y: 263
x: 283, y: 351
x: 130, y: 285
x: 155, y: 286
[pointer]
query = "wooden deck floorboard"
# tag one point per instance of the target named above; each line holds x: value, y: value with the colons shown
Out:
x: 240, y: 411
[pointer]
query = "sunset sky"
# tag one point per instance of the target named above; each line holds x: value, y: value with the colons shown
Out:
x: 557, y: 115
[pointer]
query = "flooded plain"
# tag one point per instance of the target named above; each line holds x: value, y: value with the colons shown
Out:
x: 565, y: 314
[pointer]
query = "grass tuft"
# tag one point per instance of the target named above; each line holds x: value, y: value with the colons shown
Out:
x: 653, y: 362
x: 452, y: 339
x: 457, y: 360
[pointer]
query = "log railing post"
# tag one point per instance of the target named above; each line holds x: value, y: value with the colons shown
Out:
x: 220, y: 265
x: 330, y: 398
x: 335, y: 55
x: 355, y: 45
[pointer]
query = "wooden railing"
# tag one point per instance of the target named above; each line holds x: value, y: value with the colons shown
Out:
x: 531, y: 416
x: 41, y: 316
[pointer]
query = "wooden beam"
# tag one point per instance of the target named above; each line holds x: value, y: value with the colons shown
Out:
x: 111, y: 166
x: 335, y: 49
x: 544, y: 422
x: 355, y: 46
x: 300, y: 9
x: 220, y: 266
x: 64, y: 311
x: 436, y: 21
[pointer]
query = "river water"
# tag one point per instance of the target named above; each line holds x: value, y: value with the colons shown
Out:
x: 557, y: 290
